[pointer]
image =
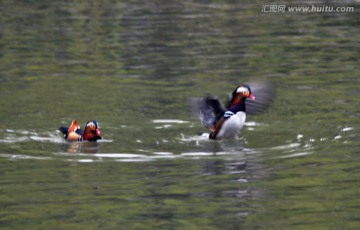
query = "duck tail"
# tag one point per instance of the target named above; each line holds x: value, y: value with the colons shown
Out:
x: 63, y: 130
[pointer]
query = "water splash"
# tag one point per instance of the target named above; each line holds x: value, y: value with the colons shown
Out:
x: 194, y: 138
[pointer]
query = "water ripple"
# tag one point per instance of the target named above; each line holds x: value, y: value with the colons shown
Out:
x: 15, y: 136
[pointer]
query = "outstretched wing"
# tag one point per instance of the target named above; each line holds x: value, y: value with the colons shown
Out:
x: 208, y: 109
x: 264, y: 94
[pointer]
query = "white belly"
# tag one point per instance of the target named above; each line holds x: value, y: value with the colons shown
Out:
x: 232, y: 126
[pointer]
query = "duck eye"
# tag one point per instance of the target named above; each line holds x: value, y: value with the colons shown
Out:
x: 244, y: 92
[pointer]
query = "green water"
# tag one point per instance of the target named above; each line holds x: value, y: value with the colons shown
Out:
x: 133, y: 65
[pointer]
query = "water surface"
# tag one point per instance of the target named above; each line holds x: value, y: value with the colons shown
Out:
x: 133, y: 66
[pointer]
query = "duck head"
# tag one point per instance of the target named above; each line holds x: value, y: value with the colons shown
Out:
x: 91, y: 131
x: 245, y: 92
x: 241, y: 93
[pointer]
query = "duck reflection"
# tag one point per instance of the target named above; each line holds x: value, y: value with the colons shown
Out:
x: 234, y: 165
x: 82, y: 147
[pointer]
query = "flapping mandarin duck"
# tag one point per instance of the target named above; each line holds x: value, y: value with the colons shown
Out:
x: 74, y: 133
x: 226, y: 122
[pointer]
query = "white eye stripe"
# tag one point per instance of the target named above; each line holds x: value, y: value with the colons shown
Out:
x: 242, y: 90
x: 90, y: 124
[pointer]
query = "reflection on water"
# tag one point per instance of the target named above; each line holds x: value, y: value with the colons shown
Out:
x: 132, y: 66
x: 82, y: 147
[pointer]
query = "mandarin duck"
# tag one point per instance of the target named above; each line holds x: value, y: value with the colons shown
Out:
x: 74, y: 133
x: 227, y: 121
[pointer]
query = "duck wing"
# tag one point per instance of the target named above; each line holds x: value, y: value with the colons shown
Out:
x: 209, y: 109
x: 264, y: 94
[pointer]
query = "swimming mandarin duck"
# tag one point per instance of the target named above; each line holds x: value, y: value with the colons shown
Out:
x: 74, y: 133
x: 226, y: 122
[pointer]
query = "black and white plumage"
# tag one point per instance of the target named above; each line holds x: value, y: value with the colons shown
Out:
x: 226, y: 121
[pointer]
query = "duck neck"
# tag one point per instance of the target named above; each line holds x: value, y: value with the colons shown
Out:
x: 239, y: 106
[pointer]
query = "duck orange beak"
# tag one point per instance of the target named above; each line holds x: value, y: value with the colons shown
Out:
x: 252, y: 97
